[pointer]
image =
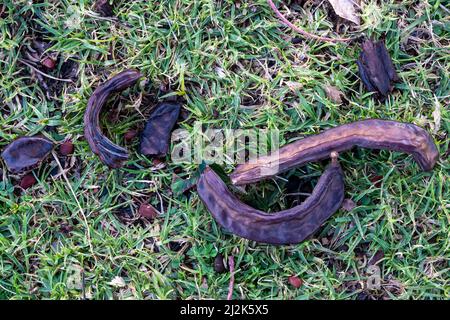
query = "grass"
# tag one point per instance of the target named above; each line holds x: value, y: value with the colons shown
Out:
x: 236, y: 67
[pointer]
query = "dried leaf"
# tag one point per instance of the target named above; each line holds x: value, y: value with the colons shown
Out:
x: 294, y: 86
x: 348, y: 205
x: 147, y: 211
x: 345, y: 9
x: 26, y: 153
x: 118, y: 282
x: 333, y: 93
x: 156, y: 135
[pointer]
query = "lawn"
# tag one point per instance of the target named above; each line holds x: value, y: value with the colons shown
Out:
x: 77, y: 232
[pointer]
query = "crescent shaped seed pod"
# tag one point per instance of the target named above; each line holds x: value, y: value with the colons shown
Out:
x: 372, y: 134
x: 25, y: 153
x: 284, y: 227
x: 109, y: 153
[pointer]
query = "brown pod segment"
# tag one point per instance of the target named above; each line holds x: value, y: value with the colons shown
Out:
x: 372, y: 134
x: 284, y: 227
x: 376, y: 68
x: 25, y: 153
x: 155, y: 138
x: 109, y: 153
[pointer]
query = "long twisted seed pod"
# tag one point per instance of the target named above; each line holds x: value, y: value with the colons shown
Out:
x: 109, y: 153
x: 285, y: 227
x: 372, y: 134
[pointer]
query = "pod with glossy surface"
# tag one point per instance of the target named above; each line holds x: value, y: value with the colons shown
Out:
x: 109, y: 153
x: 284, y: 227
x: 372, y: 134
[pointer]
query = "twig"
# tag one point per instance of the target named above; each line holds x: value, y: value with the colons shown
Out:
x: 43, y: 73
x: 231, y: 285
x: 301, y: 31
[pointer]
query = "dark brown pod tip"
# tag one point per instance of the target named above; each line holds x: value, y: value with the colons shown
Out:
x: 26, y: 153
x: 372, y: 134
x: 109, y: 153
x: 376, y: 69
x: 156, y: 135
x: 285, y: 227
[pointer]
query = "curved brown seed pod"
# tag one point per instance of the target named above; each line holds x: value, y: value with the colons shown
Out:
x: 109, y: 153
x: 372, y: 134
x: 26, y: 153
x: 285, y: 227
x: 156, y: 134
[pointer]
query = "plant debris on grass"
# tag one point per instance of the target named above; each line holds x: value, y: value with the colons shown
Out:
x: 235, y: 66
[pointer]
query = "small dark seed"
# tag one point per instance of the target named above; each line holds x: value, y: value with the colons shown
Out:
x: 27, y: 181
x: 295, y: 281
x: 66, y: 148
x: 219, y: 267
x: 49, y: 63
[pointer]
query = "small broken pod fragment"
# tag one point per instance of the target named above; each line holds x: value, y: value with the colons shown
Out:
x: 284, y: 227
x: 109, y: 153
x: 376, y: 68
x: 371, y: 134
x: 155, y: 138
x: 26, y: 153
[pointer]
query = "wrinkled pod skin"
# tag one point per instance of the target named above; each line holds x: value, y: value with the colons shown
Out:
x: 372, y: 134
x: 109, y: 153
x: 375, y: 67
x: 26, y: 153
x: 284, y: 227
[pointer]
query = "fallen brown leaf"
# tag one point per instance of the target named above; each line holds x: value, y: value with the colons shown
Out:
x: 147, y: 211
x: 333, y: 93
x: 346, y: 10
